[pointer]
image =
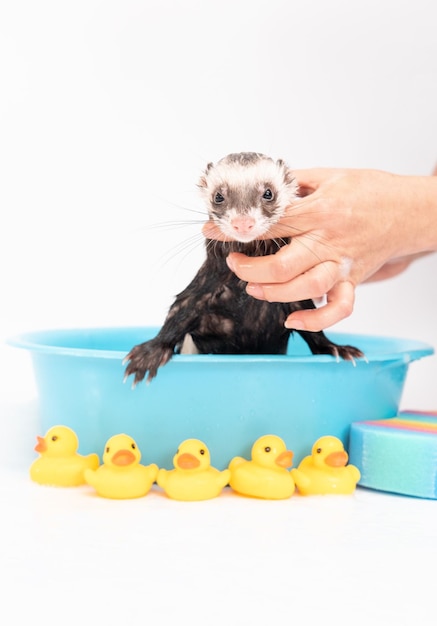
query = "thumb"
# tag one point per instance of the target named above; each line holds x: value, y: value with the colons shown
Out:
x: 309, y: 180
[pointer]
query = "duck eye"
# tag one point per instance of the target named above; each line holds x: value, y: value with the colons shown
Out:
x: 55, y: 438
x: 107, y: 449
x: 202, y: 451
x: 268, y: 194
x: 319, y: 450
x: 267, y: 449
x: 133, y: 446
x: 218, y: 198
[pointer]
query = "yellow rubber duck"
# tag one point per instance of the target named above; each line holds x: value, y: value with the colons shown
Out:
x: 59, y: 464
x: 193, y: 477
x: 121, y: 476
x: 326, y: 471
x: 266, y: 475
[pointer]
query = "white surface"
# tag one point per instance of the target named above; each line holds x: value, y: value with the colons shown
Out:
x: 68, y: 556
x: 368, y: 558
x: 109, y: 111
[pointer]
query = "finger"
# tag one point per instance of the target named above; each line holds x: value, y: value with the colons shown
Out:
x: 304, y: 215
x: 340, y: 304
x: 308, y: 180
x: 312, y: 284
x: 313, y: 177
x: 286, y: 227
x: 290, y: 261
x: 296, y: 220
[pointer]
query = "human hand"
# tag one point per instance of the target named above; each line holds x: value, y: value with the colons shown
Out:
x: 350, y: 226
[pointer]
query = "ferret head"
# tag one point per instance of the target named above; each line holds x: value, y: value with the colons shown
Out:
x: 246, y: 193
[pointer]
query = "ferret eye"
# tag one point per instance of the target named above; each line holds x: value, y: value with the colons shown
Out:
x: 218, y: 198
x: 268, y: 194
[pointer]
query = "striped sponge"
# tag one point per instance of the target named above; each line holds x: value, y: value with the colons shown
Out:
x: 398, y: 454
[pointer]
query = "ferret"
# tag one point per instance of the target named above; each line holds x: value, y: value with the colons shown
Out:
x: 245, y: 194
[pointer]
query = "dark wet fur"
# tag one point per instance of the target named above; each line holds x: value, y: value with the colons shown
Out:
x: 223, y: 319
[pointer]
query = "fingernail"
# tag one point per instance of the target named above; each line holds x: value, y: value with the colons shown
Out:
x: 230, y: 263
x: 255, y: 290
x: 294, y: 324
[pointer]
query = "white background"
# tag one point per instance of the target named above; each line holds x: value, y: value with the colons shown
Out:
x: 108, y: 113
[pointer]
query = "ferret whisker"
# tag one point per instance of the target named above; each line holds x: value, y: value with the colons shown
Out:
x: 200, y: 211
x: 317, y: 256
x: 294, y: 231
x: 204, y: 213
x: 212, y: 245
x: 209, y: 243
x: 280, y: 242
x: 186, y: 246
x: 181, y: 254
x: 300, y: 241
x: 242, y: 191
x: 172, y: 224
x: 215, y: 247
x: 316, y: 238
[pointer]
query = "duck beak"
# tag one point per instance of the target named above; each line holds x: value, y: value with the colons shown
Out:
x: 41, y: 446
x: 337, y: 459
x: 123, y: 458
x: 285, y: 459
x: 187, y: 461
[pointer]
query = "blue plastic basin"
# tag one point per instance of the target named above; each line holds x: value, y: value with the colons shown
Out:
x: 226, y: 401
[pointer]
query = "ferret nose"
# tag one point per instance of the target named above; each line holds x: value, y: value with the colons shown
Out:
x: 243, y: 224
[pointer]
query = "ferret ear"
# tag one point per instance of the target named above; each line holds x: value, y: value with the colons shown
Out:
x: 289, y: 178
x: 202, y: 182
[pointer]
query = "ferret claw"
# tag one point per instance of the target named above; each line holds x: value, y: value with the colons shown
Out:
x: 145, y: 359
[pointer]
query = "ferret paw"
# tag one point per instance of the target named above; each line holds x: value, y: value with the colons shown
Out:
x: 145, y: 359
x: 347, y: 353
